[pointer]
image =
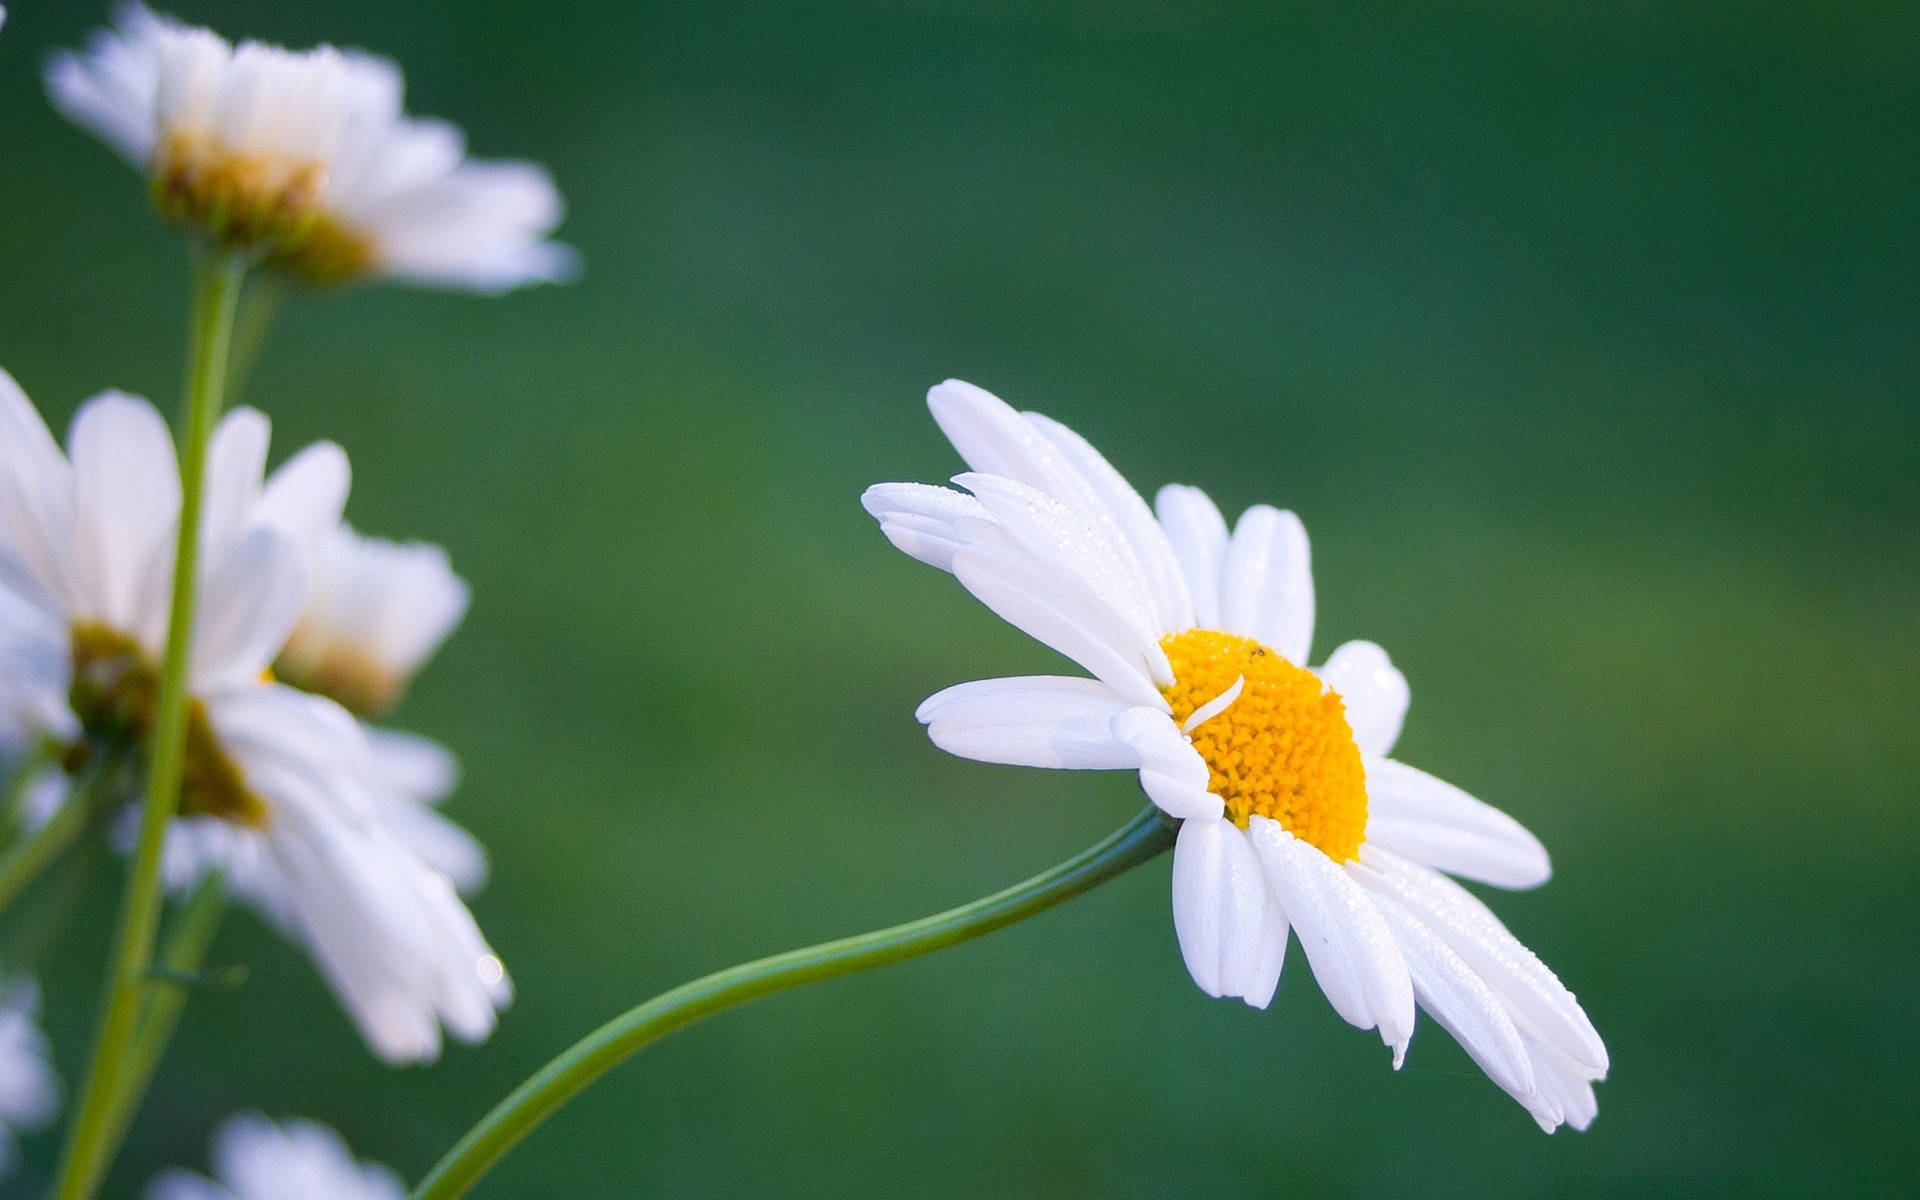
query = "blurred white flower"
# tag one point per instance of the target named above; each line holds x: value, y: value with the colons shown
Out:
x: 281, y: 786
x: 1291, y: 814
x: 29, y: 1090
x: 257, y: 1159
x: 308, y: 159
x: 375, y: 611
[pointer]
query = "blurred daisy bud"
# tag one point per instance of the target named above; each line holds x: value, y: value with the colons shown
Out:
x: 258, y: 1159
x: 376, y: 610
x: 307, y: 160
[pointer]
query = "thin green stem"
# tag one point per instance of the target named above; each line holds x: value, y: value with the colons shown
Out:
x: 1146, y: 836
x: 189, y: 934
x: 35, y: 851
x: 217, y: 290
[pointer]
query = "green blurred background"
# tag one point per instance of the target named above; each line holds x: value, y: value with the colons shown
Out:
x: 1585, y: 339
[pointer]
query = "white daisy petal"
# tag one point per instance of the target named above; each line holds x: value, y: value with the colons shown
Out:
x: 1030, y: 721
x: 919, y: 518
x: 1069, y: 545
x: 1374, y: 691
x: 248, y: 605
x: 1198, y: 535
x: 1057, y: 615
x: 1437, y: 825
x: 1172, y: 772
x: 996, y: 440
x: 1231, y: 933
x: 126, y: 489
x: 1129, y: 522
x: 1352, y: 952
x: 1266, y: 582
x: 1564, y: 1090
x: 1540, y: 1004
x: 1455, y: 996
x: 236, y: 462
x: 304, y: 498
x: 258, y: 1159
x: 36, y: 503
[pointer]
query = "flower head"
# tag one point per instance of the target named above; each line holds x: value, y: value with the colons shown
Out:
x: 375, y: 611
x: 256, y: 1159
x: 29, y: 1091
x: 282, y: 788
x: 1292, y: 815
x: 307, y: 159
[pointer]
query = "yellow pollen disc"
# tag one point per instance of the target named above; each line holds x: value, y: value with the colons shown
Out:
x: 1282, y: 750
x: 115, y: 691
x: 271, y: 205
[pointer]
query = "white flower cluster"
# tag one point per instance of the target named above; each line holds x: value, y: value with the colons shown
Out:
x: 325, y: 825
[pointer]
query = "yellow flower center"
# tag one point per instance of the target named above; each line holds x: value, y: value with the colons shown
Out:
x: 268, y: 204
x: 115, y: 691
x: 1283, y: 749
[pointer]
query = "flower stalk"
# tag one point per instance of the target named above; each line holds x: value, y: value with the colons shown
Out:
x: 219, y: 278
x: 1140, y: 840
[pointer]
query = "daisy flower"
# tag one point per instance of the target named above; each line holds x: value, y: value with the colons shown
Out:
x: 1291, y: 814
x: 29, y: 1091
x: 257, y: 1159
x: 375, y: 611
x: 308, y: 159
x: 281, y: 787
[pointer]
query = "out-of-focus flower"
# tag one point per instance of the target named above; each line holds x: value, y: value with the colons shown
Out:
x: 280, y: 786
x: 1291, y: 814
x: 375, y: 611
x: 29, y: 1090
x: 256, y: 1159
x: 307, y: 159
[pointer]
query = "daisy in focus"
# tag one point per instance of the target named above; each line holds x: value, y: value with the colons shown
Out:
x: 1291, y: 814
x: 282, y: 790
x: 257, y: 1159
x: 29, y: 1091
x: 308, y: 160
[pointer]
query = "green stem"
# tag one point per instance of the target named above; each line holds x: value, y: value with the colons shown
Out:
x: 188, y: 936
x: 258, y: 307
x: 1146, y: 836
x: 216, y: 291
x: 27, y: 857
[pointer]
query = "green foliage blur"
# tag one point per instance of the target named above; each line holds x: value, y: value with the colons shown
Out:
x: 1583, y: 337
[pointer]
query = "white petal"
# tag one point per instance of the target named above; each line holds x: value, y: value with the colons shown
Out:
x: 996, y: 440
x: 1539, y: 1003
x: 1353, y: 954
x: 1069, y: 546
x: 126, y: 484
x: 1564, y: 1090
x: 1198, y: 534
x: 1455, y: 996
x: 1057, y: 615
x: 304, y: 498
x: 1433, y: 823
x: 1231, y: 933
x: 1030, y: 721
x: 36, y: 504
x: 1266, y: 583
x: 1128, y: 520
x: 1374, y: 691
x: 250, y: 602
x: 919, y: 518
x: 1172, y: 772
x: 236, y: 463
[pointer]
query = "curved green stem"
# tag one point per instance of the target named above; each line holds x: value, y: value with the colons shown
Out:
x: 1146, y: 836
x: 33, y: 852
x: 217, y: 290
